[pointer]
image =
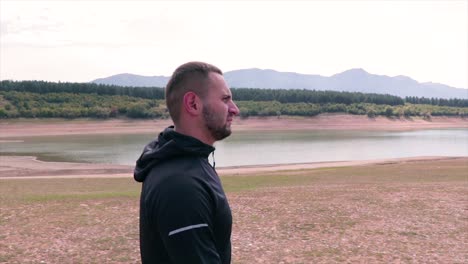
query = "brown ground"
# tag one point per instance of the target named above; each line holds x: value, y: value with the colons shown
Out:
x: 355, y: 220
x: 30, y: 167
x: 22, y: 128
x: 397, y: 212
x: 27, y: 167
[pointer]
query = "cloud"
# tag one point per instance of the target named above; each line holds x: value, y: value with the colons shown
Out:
x: 316, y: 37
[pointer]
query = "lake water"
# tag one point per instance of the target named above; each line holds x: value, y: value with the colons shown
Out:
x: 252, y: 148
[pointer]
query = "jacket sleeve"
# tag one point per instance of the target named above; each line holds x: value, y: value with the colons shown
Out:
x: 185, y: 222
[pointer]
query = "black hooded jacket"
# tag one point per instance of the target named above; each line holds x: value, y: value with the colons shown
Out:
x: 184, y: 213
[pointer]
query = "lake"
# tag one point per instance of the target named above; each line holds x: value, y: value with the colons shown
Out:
x: 253, y: 148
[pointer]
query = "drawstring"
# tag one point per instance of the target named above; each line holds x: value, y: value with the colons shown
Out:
x: 214, y: 162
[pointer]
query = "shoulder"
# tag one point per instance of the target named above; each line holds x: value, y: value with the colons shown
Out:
x: 179, y: 175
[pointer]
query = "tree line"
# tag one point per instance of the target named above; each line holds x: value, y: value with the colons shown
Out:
x: 313, y: 96
x: 275, y: 108
x: 33, y: 99
x: 43, y: 87
x: 15, y: 104
x: 437, y: 101
x: 239, y: 94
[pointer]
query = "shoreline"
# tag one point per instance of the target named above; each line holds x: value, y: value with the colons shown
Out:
x: 28, y: 167
x: 20, y: 128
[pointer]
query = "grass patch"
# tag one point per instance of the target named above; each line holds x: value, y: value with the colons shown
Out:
x: 411, y: 172
x: 37, y: 190
x: 80, y: 196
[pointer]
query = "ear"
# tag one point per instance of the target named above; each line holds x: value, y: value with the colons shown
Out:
x: 192, y: 104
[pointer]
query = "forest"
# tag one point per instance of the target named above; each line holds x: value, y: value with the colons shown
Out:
x: 39, y: 99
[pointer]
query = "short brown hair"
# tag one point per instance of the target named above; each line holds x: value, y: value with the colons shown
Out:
x: 187, y: 77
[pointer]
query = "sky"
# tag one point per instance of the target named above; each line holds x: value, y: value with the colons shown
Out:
x: 79, y: 41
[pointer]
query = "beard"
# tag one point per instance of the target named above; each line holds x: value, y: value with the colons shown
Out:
x: 215, y: 123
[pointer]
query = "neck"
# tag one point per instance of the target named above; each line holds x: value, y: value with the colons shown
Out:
x: 196, y: 132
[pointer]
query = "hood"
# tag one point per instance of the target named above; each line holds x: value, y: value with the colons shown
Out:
x: 169, y: 144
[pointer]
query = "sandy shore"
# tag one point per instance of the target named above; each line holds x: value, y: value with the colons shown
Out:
x: 27, y: 167
x: 17, y: 129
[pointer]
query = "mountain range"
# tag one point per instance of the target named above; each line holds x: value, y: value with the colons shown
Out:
x: 354, y: 80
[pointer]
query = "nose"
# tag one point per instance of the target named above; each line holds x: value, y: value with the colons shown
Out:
x: 233, y: 109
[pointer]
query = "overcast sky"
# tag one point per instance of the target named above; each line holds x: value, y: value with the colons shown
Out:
x: 79, y: 41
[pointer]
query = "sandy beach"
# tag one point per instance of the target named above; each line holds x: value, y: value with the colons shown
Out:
x: 13, y: 130
x: 27, y: 167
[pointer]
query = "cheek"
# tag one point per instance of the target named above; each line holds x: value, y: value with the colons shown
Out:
x: 221, y: 111
x: 222, y: 108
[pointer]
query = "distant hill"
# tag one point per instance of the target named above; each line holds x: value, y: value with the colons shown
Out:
x: 127, y: 79
x: 354, y: 80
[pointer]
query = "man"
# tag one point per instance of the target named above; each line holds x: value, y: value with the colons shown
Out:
x: 184, y: 214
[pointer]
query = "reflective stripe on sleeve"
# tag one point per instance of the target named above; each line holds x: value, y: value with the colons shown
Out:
x: 187, y: 228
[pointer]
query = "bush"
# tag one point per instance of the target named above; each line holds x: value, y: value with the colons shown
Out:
x: 3, y: 113
x: 137, y: 111
x: 99, y: 112
x: 388, y: 111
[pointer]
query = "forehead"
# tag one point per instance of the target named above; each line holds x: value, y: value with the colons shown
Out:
x: 217, y: 84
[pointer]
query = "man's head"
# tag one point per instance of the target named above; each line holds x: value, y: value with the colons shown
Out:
x: 189, y: 77
x: 200, y: 102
